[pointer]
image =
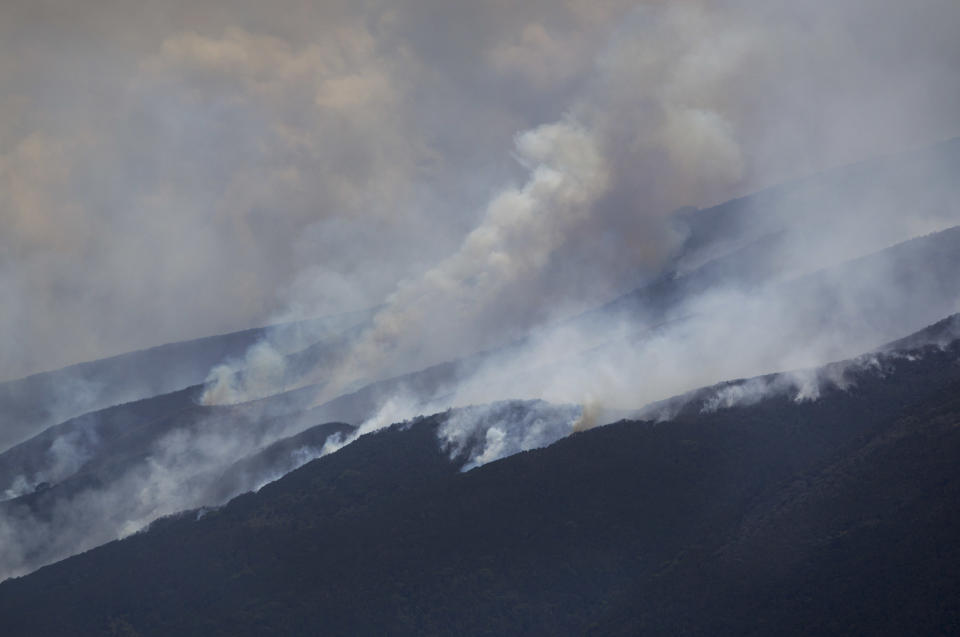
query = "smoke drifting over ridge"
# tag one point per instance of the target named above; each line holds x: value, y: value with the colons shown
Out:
x: 684, y: 104
x: 472, y: 289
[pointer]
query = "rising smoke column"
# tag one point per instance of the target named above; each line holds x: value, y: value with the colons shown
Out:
x: 689, y: 103
x: 638, y: 142
x: 520, y: 230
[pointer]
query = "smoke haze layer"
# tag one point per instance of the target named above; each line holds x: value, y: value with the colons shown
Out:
x: 191, y: 168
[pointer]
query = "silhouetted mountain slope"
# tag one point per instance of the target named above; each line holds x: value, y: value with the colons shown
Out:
x: 862, y: 302
x: 834, y: 516
x: 940, y: 333
x: 864, y: 543
x: 105, y: 475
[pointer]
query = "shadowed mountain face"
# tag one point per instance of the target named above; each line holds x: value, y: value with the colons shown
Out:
x: 105, y: 474
x: 109, y: 474
x: 827, y: 516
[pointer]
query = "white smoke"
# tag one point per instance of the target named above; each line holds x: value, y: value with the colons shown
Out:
x: 262, y: 372
x: 66, y: 455
x: 432, y: 317
x: 479, y: 434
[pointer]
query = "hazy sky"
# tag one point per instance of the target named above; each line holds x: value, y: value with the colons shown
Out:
x: 175, y: 169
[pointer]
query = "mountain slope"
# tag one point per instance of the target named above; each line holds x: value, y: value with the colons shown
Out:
x: 805, y: 515
x: 117, y: 475
x: 38, y: 401
x: 58, y: 483
x: 29, y: 405
x: 862, y: 205
x: 864, y: 543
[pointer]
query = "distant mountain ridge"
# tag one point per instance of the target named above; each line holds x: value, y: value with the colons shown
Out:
x: 29, y: 405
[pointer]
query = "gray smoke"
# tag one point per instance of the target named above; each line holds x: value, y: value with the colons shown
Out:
x: 684, y: 103
x: 192, y: 168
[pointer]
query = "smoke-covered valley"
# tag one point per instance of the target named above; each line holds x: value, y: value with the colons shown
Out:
x: 534, y: 220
